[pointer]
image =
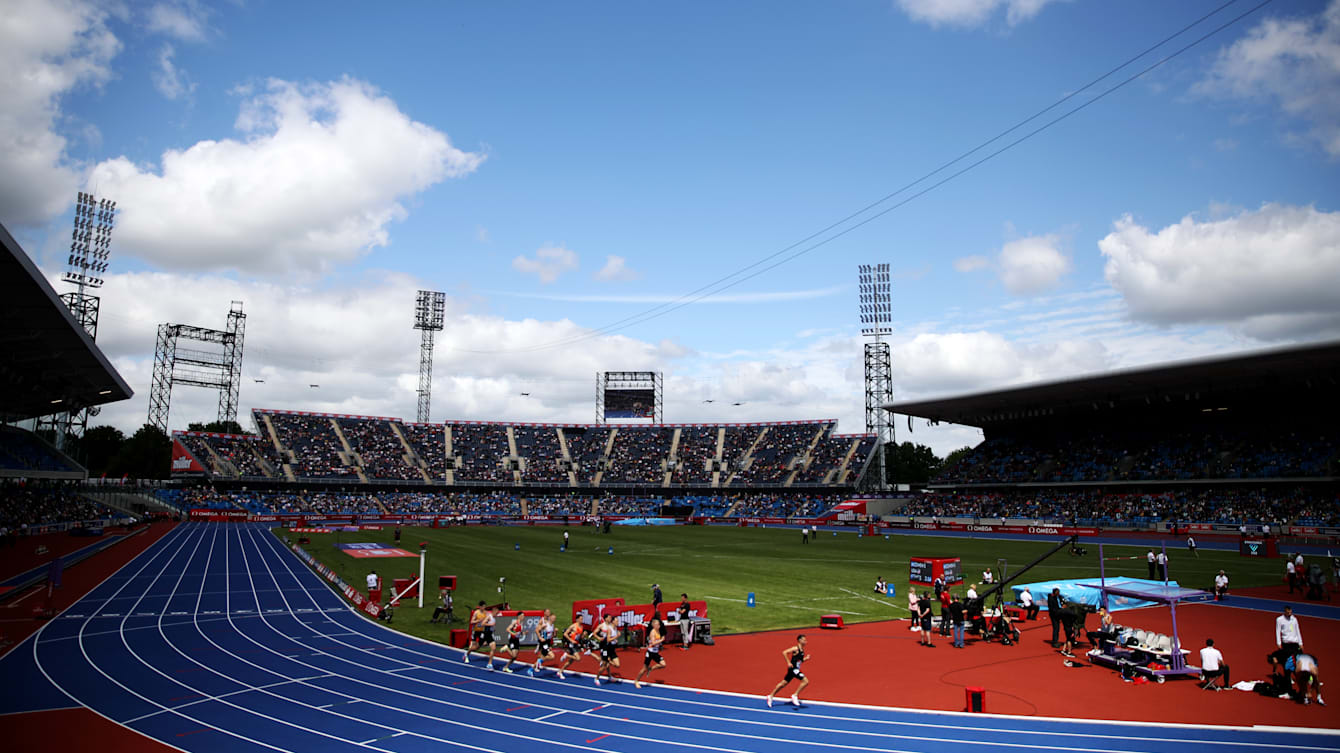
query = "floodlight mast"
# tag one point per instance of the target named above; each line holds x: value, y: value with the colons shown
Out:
x: 876, y: 308
x: 86, y: 264
x: 429, y: 314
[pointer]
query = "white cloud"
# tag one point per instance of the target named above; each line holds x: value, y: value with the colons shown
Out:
x: 971, y: 263
x: 48, y: 48
x: 548, y: 264
x: 316, y: 181
x: 968, y: 13
x: 1271, y: 273
x: 767, y: 297
x: 957, y: 362
x: 186, y: 20
x: 1026, y: 266
x: 482, y: 234
x: 1033, y: 265
x: 170, y: 81
x: 1294, y: 62
x: 616, y: 269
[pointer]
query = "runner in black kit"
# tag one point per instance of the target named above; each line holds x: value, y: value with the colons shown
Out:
x: 481, y: 633
x: 607, y: 633
x: 794, y: 656
x: 545, y: 633
x: 572, y: 646
x: 514, y: 629
x: 654, y: 660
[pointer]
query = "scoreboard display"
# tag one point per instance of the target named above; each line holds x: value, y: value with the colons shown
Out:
x: 630, y: 403
x: 921, y: 571
x: 924, y: 570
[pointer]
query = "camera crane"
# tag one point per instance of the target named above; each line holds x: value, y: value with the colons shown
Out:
x: 998, y: 589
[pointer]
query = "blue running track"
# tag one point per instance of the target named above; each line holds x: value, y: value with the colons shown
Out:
x: 219, y: 639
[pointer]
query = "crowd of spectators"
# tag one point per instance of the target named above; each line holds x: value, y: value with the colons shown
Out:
x: 773, y: 455
x: 483, y: 451
x: 638, y: 456
x: 735, y: 444
x: 696, y: 449
x: 827, y: 456
x: 243, y: 456
x: 756, y: 505
x: 636, y: 506
x: 314, y: 444
x: 380, y: 450
x: 429, y: 442
x: 24, y: 451
x: 27, y: 504
x: 586, y: 446
x: 1272, y: 505
x: 1150, y: 454
x: 572, y: 505
x: 538, y: 445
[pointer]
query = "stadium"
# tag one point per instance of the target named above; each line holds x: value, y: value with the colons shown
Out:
x: 245, y: 625
x: 743, y: 377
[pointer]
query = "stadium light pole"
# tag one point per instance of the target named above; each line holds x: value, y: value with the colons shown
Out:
x: 876, y: 307
x: 429, y: 309
x: 85, y: 266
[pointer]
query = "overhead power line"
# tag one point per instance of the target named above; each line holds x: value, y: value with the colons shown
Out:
x: 804, y: 246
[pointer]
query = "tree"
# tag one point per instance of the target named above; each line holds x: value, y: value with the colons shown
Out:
x: 954, y: 457
x: 910, y: 463
x: 147, y: 454
x: 98, y: 446
x: 218, y: 427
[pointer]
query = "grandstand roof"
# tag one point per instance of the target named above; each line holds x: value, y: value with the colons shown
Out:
x: 48, y: 356
x: 1285, y: 375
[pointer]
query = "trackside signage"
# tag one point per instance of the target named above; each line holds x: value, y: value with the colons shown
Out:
x: 350, y: 593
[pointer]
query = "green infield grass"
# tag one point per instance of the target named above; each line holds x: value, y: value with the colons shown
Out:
x: 793, y: 583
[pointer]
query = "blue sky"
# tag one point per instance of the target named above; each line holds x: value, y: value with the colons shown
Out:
x: 556, y: 168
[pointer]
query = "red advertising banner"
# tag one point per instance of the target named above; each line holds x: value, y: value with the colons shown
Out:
x: 625, y: 615
x: 183, y: 462
x: 213, y: 515
x: 590, y: 610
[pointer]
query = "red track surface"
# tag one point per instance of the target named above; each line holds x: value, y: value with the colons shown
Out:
x: 1281, y: 592
x: 882, y: 664
x: 877, y: 664
x: 79, y: 728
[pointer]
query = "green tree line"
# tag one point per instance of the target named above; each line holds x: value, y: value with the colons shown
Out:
x: 107, y: 451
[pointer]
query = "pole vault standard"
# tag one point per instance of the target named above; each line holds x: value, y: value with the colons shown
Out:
x: 417, y: 582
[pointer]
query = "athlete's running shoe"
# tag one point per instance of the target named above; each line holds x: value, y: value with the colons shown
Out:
x: 795, y: 701
x: 530, y: 672
x: 562, y: 676
x: 508, y: 670
x: 597, y: 679
x: 769, y: 701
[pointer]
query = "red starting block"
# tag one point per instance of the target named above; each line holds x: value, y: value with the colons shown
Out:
x: 975, y: 699
x: 831, y: 622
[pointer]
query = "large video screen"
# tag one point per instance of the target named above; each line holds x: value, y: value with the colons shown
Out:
x: 630, y: 403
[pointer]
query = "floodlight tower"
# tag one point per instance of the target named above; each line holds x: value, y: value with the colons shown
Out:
x: 876, y: 316
x: 90, y: 248
x: 429, y: 310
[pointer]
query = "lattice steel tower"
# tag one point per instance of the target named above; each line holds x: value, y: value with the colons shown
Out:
x: 90, y: 248
x: 876, y: 316
x: 429, y: 308
x: 219, y: 368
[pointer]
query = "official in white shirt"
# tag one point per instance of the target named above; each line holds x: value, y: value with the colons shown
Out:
x: 1220, y: 586
x: 1163, y: 565
x: 1212, y: 666
x: 1288, y: 636
x: 1291, y: 573
x: 1026, y: 601
x: 373, y: 580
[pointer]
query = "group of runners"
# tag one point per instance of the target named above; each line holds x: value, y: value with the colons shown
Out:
x: 600, y: 642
